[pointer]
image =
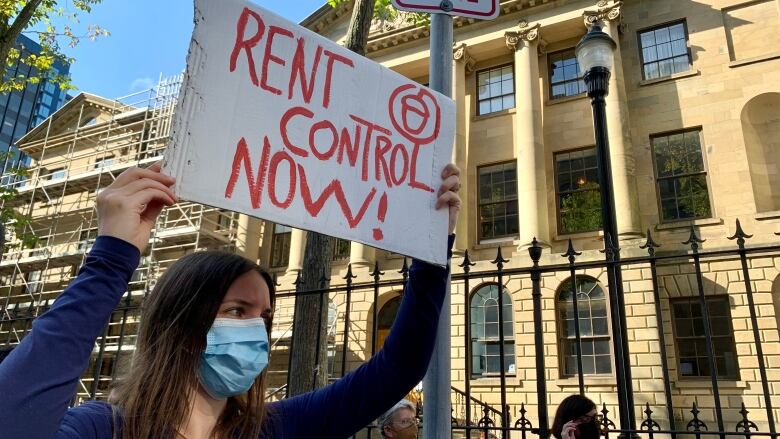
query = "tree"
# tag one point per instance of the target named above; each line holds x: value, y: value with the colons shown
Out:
x: 34, y: 17
x: 308, y: 363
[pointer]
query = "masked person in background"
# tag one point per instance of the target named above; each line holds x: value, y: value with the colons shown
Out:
x: 399, y: 422
x: 198, y: 370
x: 576, y: 419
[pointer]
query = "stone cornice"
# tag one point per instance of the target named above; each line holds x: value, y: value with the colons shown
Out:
x: 526, y: 33
x: 460, y: 53
x: 606, y: 10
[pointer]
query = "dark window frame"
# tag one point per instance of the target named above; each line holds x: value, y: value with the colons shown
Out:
x: 283, y: 260
x: 476, y: 88
x: 338, y: 253
x: 694, y: 300
x: 559, y: 225
x: 480, y: 204
x: 565, y: 81
x: 641, y: 48
x: 509, y: 339
x: 564, y: 340
x: 706, y: 173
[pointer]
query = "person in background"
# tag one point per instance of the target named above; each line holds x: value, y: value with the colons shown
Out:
x: 399, y: 422
x: 576, y: 419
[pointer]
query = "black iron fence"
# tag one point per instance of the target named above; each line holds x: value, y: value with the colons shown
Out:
x: 690, y: 388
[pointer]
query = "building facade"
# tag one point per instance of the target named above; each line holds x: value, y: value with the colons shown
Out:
x: 693, y: 126
x: 21, y: 110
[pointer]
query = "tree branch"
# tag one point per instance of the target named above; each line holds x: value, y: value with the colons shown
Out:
x: 21, y: 21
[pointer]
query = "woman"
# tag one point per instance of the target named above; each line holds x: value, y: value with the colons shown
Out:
x: 202, y: 344
x: 576, y: 419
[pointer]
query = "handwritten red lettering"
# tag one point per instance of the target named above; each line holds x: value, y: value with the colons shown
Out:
x: 298, y: 66
x: 247, y: 44
x: 269, y: 57
x: 319, y: 126
x: 381, y: 147
x: 333, y: 189
x: 399, y: 148
x: 283, y: 129
x: 255, y: 186
x: 332, y: 58
x: 413, y: 172
x: 273, y: 169
x: 346, y: 144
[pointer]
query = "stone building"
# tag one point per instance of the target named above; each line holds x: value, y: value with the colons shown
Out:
x: 693, y: 125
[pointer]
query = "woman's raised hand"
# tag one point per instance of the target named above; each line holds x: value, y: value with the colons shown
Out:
x: 128, y: 208
x: 448, y: 194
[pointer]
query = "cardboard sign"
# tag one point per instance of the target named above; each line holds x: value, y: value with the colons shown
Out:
x: 479, y: 9
x: 277, y: 122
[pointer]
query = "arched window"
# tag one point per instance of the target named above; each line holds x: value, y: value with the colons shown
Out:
x: 594, y: 327
x: 485, y: 342
x: 385, y: 320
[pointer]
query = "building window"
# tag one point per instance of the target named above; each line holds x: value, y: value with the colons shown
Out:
x: 87, y: 238
x: 280, y: 246
x: 681, y: 176
x: 33, y: 282
x: 341, y: 249
x: 498, y: 200
x: 565, y: 76
x: 56, y: 174
x: 692, y: 343
x: 495, y: 89
x: 104, y: 163
x: 485, y: 342
x: 578, y: 195
x: 594, y: 327
x: 664, y: 50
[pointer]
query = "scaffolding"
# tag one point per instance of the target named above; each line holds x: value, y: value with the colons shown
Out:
x: 74, y: 154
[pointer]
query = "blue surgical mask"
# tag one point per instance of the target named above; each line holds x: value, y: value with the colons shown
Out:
x: 236, y: 353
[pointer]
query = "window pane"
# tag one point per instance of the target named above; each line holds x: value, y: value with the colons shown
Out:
x: 677, y: 32
x: 493, y: 86
x: 648, y: 39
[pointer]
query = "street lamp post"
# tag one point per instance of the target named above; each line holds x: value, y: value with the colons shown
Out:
x: 595, y: 56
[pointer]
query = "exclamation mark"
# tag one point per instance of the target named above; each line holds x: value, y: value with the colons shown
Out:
x: 381, y: 213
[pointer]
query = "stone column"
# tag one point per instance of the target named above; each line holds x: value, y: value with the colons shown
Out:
x: 248, y: 236
x: 361, y: 255
x: 529, y: 138
x: 463, y: 65
x: 297, y: 247
x: 607, y: 14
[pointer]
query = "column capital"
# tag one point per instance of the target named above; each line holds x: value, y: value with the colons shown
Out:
x: 606, y: 10
x: 460, y: 53
x: 525, y: 33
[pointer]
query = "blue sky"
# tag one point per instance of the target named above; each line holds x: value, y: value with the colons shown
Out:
x: 148, y: 37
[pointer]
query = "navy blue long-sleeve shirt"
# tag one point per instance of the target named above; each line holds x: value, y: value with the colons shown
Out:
x: 39, y: 377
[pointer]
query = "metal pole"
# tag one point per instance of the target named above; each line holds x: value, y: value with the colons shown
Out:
x: 597, y: 81
x: 436, y: 386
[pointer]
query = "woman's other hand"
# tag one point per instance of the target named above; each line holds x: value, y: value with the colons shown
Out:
x: 448, y: 194
x: 128, y: 208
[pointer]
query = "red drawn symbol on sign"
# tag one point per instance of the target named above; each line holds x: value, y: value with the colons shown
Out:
x: 415, y: 114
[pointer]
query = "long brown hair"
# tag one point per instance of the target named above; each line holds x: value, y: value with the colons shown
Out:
x: 153, y: 399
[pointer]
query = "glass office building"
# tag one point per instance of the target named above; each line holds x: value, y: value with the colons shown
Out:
x: 21, y: 110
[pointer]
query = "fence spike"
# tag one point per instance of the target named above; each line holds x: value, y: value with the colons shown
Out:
x: 696, y: 424
x: 499, y: 261
x: 650, y: 244
x: 376, y: 274
x: 745, y: 425
x: 466, y: 264
x: 740, y: 236
x: 535, y: 251
x: 649, y: 424
x: 570, y: 253
x: 694, y: 240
